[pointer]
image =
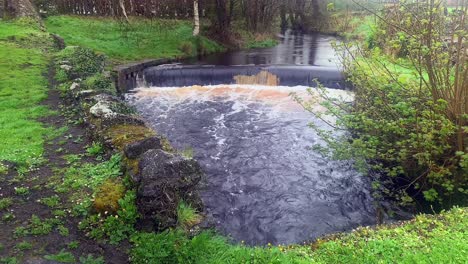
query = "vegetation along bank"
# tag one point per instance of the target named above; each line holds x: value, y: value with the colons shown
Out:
x: 72, y: 155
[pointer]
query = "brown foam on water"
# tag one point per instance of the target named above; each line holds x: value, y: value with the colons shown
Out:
x: 279, y: 97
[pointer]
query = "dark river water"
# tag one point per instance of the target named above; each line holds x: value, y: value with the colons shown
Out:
x: 264, y: 183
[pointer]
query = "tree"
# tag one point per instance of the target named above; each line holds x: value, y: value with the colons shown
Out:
x: 196, y: 18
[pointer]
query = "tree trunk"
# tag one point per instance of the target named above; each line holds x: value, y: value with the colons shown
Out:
x: 196, y: 18
x: 124, y: 11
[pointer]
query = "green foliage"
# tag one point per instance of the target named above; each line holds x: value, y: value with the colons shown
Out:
x: 84, y: 62
x: 24, y: 246
x: 9, y: 260
x: 139, y: 39
x: 407, y: 118
x: 3, y: 168
x: 39, y: 227
x: 95, y: 149
x: 187, y: 48
x: 88, y: 175
x: 52, y: 201
x: 63, y: 257
x: 73, y: 245
x: 99, y: 82
x: 5, y: 203
x: 23, y: 191
x: 187, y: 216
x: 175, y: 247
x: 114, y: 227
x: 422, y: 240
x: 8, y: 217
x: 90, y: 259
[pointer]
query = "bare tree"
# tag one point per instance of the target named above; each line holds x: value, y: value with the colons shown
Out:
x: 196, y: 18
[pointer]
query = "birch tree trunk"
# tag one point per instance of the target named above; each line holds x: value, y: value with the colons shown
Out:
x: 196, y: 18
x: 124, y: 11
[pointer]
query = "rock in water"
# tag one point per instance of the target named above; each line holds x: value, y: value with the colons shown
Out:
x: 133, y: 151
x: 164, y: 180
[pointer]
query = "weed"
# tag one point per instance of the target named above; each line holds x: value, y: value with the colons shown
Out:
x: 52, y: 201
x: 8, y: 217
x: 24, y: 246
x: 187, y: 217
x: 20, y: 231
x: 23, y: 191
x: 63, y: 256
x: 3, y: 168
x: 73, y: 245
x: 187, y: 153
x: 9, y: 260
x: 72, y: 158
x: 59, y: 213
x: 95, y: 149
x: 63, y: 230
x: 39, y: 227
x: 5, y: 203
x: 90, y: 259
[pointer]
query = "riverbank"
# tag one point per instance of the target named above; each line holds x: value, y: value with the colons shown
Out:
x: 42, y: 209
x: 144, y: 38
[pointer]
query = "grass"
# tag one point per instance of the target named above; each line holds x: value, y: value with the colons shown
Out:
x: 187, y: 217
x: 141, y: 39
x: 22, y: 88
x: 426, y: 239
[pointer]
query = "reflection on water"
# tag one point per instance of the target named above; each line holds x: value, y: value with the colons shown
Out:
x: 263, y: 184
x: 293, y: 49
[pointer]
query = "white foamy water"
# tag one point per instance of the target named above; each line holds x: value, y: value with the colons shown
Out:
x: 263, y: 182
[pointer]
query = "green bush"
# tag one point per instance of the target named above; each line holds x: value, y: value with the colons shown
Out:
x: 84, y: 62
x: 99, y: 82
x: 408, y: 121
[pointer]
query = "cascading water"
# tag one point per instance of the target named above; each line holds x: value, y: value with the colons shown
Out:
x: 264, y: 183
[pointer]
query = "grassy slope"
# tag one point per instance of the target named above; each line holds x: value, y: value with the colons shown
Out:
x: 427, y: 239
x: 22, y: 87
x: 141, y: 39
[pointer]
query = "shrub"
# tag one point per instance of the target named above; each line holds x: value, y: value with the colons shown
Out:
x: 99, y: 82
x: 84, y: 62
x: 409, y: 118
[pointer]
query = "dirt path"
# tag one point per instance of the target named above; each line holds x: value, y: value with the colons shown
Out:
x: 25, y: 238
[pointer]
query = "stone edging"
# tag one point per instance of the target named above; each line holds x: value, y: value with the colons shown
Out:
x: 162, y: 176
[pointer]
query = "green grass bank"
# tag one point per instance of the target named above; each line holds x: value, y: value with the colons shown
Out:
x: 137, y: 40
x: 23, y: 86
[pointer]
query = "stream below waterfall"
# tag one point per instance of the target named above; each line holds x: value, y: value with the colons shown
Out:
x: 264, y: 182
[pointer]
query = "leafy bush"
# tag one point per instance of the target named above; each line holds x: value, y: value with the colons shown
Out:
x: 84, y: 62
x: 409, y: 119
x: 99, y: 82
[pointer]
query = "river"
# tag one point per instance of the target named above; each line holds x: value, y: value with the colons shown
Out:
x: 264, y: 182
